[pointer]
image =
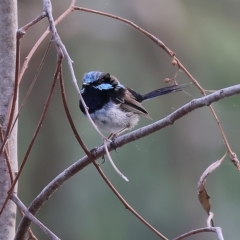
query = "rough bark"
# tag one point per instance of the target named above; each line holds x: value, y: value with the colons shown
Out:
x: 8, y: 27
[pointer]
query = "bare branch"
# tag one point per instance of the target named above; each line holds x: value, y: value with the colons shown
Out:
x: 22, y: 31
x: 29, y: 56
x: 36, y: 132
x: 124, y: 202
x: 47, y: 7
x: 31, y: 85
x: 175, y: 62
x: 151, y: 36
x: 217, y: 230
x: 120, y: 141
x: 112, y: 162
x: 20, y: 205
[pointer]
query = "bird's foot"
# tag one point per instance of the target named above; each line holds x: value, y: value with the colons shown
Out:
x: 113, y: 145
x: 103, y: 159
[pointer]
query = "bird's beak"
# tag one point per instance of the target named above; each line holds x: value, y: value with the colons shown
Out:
x: 85, y: 84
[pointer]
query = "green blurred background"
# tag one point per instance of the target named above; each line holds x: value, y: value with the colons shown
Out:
x: 163, y: 168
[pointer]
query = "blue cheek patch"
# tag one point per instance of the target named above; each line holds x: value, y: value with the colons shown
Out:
x: 120, y: 86
x: 91, y: 76
x: 104, y: 86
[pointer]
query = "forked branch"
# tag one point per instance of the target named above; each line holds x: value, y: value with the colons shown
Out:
x: 119, y: 142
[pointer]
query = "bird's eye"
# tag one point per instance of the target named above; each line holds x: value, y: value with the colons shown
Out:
x: 99, y: 82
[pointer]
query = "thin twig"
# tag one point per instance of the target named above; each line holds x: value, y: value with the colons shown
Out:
x: 20, y: 205
x: 112, y: 163
x: 119, y: 142
x: 64, y: 99
x: 15, y: 120
x: 20, y: 34
x: 210, y: 220
x: 47, y: 6
x: 222, y: 132
x: 84, y: 147
x: 151, y: 36
x: 11, y: 179
x: 176, y: 61
x: 46, y: 105
x: 22, y: 30
x: 217, y: 230
x: 32, y: 51
x: 6, y: 156
x: 74, y: 79
x: 36, y: 132
x: 31, y: 85
x: 127, y: 206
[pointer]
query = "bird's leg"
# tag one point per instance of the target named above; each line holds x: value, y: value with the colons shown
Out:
x: 103, y: 157
x: 110, y: 136
x: 113, y: 136
x: 93, y: 152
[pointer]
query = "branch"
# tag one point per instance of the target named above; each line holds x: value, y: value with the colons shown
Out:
x: 47, y: 7
x: 21, y: 206
x: 175, y: 62
x: 39, y: 41
x: 8, y: 88
x: 35, y: 133
x: 120, y: 141
x: 217, y: 230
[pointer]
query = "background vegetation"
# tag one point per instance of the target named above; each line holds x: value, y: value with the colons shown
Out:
x: 163, y: 168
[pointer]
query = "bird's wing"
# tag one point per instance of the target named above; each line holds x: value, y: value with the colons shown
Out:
x: 131, y: 103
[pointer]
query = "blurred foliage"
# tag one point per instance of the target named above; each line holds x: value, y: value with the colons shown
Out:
x: 163, y: 168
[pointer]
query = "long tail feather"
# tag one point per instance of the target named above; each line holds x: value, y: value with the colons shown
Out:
x: 162, y: 91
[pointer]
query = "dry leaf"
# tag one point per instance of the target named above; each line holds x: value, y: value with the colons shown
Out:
x: 202, y: 193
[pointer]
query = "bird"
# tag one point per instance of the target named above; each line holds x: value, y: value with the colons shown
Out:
x: 113, y: 107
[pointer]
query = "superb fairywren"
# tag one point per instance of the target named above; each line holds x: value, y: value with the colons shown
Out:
x: 112, y: 106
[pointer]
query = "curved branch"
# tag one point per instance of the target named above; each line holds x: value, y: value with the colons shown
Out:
x: 120, y: 141
x: 217, y: 230
x: 21, y: 206
x: 175, y: 62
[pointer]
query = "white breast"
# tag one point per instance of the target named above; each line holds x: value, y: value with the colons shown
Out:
x: 112, y: 119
